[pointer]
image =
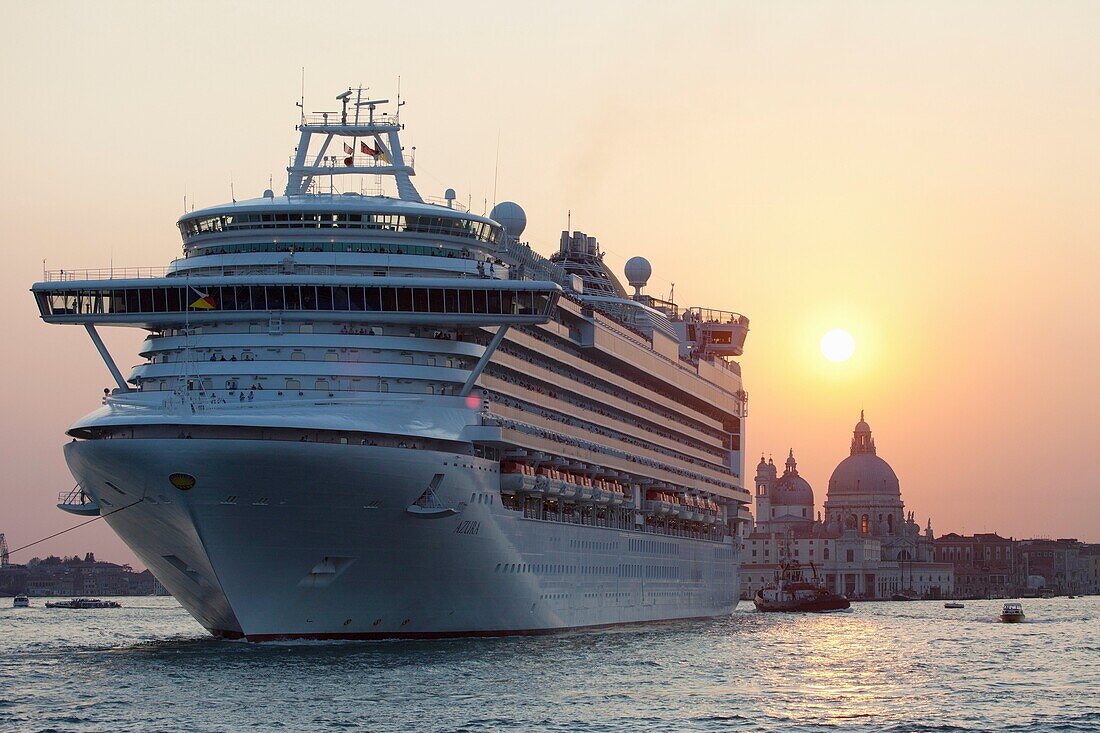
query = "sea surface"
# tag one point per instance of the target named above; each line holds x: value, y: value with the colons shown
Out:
x: 880, y: 667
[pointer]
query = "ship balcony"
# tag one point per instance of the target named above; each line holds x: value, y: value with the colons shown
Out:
x: 75, y: 501
x: 721, y: 333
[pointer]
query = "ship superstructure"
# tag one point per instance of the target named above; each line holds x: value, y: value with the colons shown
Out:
x: 364, y: 416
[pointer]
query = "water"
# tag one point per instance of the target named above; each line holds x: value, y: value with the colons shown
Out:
x: 881, y: 667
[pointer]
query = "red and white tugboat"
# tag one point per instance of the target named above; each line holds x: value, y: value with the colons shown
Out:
x: 793, y: 592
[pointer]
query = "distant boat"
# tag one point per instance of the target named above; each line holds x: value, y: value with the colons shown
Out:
x: 793, y: 592
x: 21, y: 602
x: 953, y: 604
x: 83, y: 603
x: 905, y: 595
x: 1012, y: 612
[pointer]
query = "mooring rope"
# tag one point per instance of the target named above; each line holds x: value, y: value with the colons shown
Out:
x: 78, y: 526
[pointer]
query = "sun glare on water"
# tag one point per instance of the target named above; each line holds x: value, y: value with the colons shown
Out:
x: 838, y: 345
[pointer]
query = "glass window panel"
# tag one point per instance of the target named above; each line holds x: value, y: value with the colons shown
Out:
x: 258, y: 297
x: 274, y: 297
x: 404, y: 300
x: 359, y: 301
x: 420, y: 300
x: 435, y: 300
x: 324, y: 298
x: 292, y: 297
x: 340, y: 298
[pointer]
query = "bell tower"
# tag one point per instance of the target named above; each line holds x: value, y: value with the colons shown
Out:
x: 765, y: 482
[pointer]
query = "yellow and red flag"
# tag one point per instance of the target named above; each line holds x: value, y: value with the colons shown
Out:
x: 204, y: 301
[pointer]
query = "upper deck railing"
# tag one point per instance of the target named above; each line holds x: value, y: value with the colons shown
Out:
x: 333, y: 119
x: 104, y: 273
x: 713, y: 315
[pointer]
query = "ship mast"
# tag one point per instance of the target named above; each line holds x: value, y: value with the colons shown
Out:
x: 384, y: 158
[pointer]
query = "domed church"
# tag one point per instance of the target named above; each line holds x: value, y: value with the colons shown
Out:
x: 865, y: 547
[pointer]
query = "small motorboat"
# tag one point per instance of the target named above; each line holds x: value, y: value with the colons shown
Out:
x: 905, y: 595
x: 953, y: 604
x: 83, y: 603
x: 21, y: 602
x: 1012, y: 612
x: 793, y: 592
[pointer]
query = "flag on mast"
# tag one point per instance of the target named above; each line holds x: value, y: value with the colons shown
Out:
x: 367, y: 150
x: 382, y: 150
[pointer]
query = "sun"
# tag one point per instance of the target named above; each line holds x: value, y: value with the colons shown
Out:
x: 838, y: 345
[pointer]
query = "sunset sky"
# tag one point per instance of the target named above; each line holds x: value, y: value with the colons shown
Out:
x: 923, y: 175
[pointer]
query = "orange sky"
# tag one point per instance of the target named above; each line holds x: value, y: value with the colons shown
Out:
x: 924, y: 175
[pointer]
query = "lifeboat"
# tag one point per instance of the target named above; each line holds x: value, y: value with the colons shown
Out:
x: 660, y: 502
x: 617, y: 493
x: 569, y: 486
x: 555, y: 485
x: 516, y: 478
x: 542, y: 479
x: 588, y: 491
x: 684, y: 511
x: 697, y: 509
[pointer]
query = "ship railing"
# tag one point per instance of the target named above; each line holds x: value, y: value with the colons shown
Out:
x: 531, y: 264
x: 333, y: 119
x: 104, y: 273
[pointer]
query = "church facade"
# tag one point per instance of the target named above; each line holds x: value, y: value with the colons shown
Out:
x: 865, y: 546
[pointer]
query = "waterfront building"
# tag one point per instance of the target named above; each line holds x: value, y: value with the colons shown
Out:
x: 865, y: 546
x: 985, y: 564
x: 1054, y: 565
x: 73, y: 576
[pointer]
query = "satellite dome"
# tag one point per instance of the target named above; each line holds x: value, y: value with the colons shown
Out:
x: 510, y: 216
x: 637, y: 271
x: 268, y: 193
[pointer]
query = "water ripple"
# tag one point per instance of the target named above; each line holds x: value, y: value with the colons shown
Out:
x: 899, y: 668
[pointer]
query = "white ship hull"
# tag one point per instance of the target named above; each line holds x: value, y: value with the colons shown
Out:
x: 283, y: 539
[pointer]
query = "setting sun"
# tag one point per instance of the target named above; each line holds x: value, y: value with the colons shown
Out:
x: 838, y: 345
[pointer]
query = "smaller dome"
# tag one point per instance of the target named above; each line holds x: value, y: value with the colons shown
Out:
x: 638, y: 271
x: 792, y: 490
x: 511, y: 216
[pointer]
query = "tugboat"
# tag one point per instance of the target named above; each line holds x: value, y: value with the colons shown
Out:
x: 1012, y: 613
x: 21, y: 602
x: 83, y: 603
x: 792, y: 593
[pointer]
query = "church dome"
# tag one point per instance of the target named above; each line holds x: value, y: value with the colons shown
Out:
x: 791, y: 489
x: 863, y: 472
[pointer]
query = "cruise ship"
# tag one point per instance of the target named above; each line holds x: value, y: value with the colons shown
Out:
x: 360, y: 413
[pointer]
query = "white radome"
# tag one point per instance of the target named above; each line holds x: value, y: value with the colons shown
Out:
x: 638, y: 271
x: 511, y: 216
